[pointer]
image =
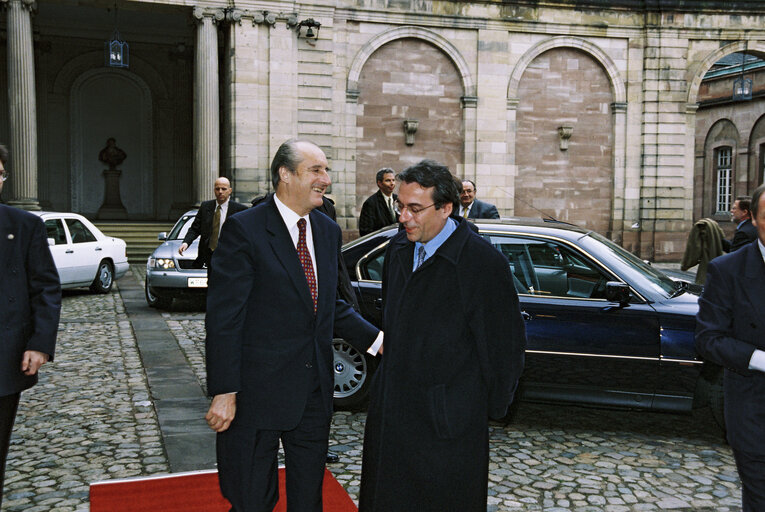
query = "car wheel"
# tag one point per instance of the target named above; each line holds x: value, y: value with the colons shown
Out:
x: 353, y: 375
x: 717, y: 399
x: 104, y: 278
x: 154, y: 300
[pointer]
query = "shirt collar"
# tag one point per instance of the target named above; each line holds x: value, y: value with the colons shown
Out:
x: 434, y: 243
x: 762, y: 249
x: 741, y: 223
x: 223, y: 206
x: 289, y: 217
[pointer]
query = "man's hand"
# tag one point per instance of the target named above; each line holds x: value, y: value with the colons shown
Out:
x: 32, y: 360
x: 221, y: 412
x: 182, y: 248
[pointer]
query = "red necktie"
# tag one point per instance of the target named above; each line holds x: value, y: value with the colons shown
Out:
x: 305, y: 261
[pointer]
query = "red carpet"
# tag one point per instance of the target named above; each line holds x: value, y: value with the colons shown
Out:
x: 197, y: 491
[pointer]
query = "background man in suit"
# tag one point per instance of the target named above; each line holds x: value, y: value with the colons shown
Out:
x: 730, y: 331
x: 745, y: 231
x: 209, y: 221
x: 31, y: 292
x: 454, y: 350
x: 472, y: 208
x: 377, y: 211
x: 272, y: 306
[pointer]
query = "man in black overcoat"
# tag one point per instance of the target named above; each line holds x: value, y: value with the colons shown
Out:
x: 272, y: 307
x: 378, y: 209
x: 453, y: 354
x: 204, y: 225
x: 31, y: 304
x: 730, y: 331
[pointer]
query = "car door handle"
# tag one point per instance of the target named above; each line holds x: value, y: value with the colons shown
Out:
x: 99, y: 249
x: 526, y: 316
x: 69, y: 251
x: 378, y: 303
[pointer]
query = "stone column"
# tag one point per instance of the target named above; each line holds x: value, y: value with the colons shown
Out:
x: 206, y: 104
x: 22, y: 105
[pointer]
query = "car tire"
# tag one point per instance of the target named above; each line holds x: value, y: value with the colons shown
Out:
x: 104, y: 279
x: 154, y: 300
x: 353, y: 375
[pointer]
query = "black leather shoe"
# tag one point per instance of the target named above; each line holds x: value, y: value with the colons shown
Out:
x: 332, y: 457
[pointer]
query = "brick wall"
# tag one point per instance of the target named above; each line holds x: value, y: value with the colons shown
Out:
x: 565, y: 87
x: 407, y: 79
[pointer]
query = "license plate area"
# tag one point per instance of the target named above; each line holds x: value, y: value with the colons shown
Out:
x: 197, y: 282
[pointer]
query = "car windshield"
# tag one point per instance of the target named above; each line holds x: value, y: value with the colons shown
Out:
x: 657, y: 279
x: 181, y: 227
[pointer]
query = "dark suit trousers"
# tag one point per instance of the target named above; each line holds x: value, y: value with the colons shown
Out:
x: 8, y: 406
x: 247, y: 463
x: 751, y: 470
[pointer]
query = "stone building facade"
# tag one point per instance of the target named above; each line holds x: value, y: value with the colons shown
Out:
x: 585, y: 111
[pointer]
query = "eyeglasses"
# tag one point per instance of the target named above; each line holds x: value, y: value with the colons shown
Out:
x: 413, y: 209
x: 4, y: 175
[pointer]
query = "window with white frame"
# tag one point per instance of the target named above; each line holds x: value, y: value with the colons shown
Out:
x: 724, y: 182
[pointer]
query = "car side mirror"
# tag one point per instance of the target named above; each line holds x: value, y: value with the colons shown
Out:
x: 618, y: 292
x: 51, y: 242
x: 162, y: 236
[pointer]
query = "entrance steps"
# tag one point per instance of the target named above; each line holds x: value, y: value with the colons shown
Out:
x: 140, y: 237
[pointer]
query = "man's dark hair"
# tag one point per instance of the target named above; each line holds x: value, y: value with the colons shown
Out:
x: 429, y: 173
x: 744, y: 203
x: 382, y: 172
x: 3, y: 154
x: 471, y: 182
x: 756, y: 195
x: 287, y: 156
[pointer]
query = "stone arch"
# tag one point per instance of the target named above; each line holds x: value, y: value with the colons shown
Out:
x: 703, y: 66
x: 617, y: 82
x: 468, y: 84
x: 137, y: 194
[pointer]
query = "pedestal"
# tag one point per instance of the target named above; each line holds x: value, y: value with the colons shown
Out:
x: 112, y: 209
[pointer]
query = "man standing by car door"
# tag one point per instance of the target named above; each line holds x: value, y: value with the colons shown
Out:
x: 209, y: 221
x: 272, y: 306
x: 730, y: 331
x: 29, y: 314
x: 454, y: 350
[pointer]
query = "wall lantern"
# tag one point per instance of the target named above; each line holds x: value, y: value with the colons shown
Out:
x: 310, y: 24
x: 116, y: 51
x: 410, y: 128
x: 564, y: 132
x: 742, y: 87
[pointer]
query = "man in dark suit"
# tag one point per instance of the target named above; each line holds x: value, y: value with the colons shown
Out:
x: 454, y: 351
x: 472, y: 208
x: 378, y: 209
x: 31, y: 304
x: 745, y: 231
x: 272, y: 306
x: 209, y: 221
x: 730, y: 331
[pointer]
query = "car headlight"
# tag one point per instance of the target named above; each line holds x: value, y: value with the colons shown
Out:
x: 164, y: 263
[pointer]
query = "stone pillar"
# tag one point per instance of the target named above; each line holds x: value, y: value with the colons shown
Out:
x: 22, y: 106
x: 206, y: 104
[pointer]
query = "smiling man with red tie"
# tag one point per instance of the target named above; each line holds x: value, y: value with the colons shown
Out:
x: 272, y: 306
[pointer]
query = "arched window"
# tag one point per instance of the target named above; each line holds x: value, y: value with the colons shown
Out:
x: 723, y: 179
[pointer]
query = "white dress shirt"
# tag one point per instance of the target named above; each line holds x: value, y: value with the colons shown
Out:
x: 757, y: 362
x: 291, y: 219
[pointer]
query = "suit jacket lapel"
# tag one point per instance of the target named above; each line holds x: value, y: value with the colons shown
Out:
x: 753, y: 284
x: 6, y: 244
x: 285, y: 252
x: 323, y: 247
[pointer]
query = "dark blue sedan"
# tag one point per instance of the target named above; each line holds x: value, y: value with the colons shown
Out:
x: 604, y: 327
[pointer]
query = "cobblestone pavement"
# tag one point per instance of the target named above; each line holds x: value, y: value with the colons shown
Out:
x: 90, y: 419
